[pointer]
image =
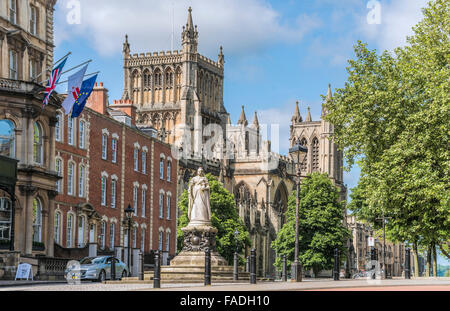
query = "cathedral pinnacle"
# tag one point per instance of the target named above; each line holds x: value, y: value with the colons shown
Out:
x: 297, y: 118
x: 221, y: 59
x: 243, y: 119
x: 308, y: 116
x: 255, y: 121
x: 126, y: 46
x: 329, y: 97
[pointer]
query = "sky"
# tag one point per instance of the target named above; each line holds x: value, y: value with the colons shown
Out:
x: 276, y: 52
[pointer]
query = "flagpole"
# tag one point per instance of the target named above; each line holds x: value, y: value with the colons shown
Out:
x: 62, y: 58
x: 87, y: 62
x: 88, y: 75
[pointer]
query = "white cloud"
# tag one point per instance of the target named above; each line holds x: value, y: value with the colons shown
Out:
x: 397, y: 19
x: 239, y: 26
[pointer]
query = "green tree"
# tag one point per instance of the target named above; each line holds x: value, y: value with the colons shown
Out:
x: 392, y: 119
x: 224, y: 217
x: 321, y: 228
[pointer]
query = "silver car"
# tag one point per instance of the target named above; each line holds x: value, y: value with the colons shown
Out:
x: 97, y: 269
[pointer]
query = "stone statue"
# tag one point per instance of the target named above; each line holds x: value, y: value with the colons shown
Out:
x: 199, y: 212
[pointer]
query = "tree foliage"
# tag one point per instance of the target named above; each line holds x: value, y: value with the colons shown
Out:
x: 392, y: 117
x: 224, y: 217
x: 321, y: 228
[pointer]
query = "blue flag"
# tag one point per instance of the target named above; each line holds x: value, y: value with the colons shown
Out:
x: 85, y: 92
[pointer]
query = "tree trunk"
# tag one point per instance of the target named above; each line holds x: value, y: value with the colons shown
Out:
x: 428, y: 274
x: 416, y: 260
x: 434, y: 260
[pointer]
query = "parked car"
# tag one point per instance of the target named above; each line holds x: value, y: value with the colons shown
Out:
x: 369, y: 274
x: 97, y: 269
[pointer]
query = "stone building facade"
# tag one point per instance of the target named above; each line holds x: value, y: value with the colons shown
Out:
x: 359, y: 255
x: 180, y: 94
x: 107, y: 163
x: 27, y: 130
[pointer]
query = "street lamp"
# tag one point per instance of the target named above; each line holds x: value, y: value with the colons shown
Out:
x: 299, y: 152
x: 236, y: 258
x: 129, y: 214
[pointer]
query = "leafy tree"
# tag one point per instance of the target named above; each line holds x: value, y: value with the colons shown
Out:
x: 321, y: 228
x: 224, y: 217
x: 392, y: 115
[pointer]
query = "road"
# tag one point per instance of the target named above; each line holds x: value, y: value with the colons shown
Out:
x: 421, y: 284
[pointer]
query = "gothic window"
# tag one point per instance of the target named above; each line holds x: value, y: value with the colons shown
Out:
x: 158, y: 80
x: 147, y: 79
x: 304, y: 165
x: 315, y: 155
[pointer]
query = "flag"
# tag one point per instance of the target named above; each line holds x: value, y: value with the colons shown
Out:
x: 73, y: 89
x: 85, y: 92
x: 52, y: 81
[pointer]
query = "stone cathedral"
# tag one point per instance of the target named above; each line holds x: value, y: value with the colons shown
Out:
x: 179, y: 93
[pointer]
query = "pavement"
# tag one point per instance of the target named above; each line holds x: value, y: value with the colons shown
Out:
x: 419, y: 284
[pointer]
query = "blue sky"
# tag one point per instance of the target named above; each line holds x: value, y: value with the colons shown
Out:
x: 276, y: 52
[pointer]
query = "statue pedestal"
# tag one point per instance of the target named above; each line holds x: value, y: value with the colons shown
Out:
x: 196, y: 239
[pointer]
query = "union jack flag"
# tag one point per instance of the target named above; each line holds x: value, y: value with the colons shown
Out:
x: 52, y: 81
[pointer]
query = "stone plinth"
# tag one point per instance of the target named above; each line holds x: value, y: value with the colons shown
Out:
x: 196, y: 240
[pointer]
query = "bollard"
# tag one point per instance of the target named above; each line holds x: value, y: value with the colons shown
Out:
x: 253, y: 266
x: 236, y: 267
x: 157, y: 274
x: 408, y: 264
x: 247, y: 264
x: 284, y: 269
x: 336, y: 265
x: 207, y: 267
x: 113, y: 268
x: 141, y: 265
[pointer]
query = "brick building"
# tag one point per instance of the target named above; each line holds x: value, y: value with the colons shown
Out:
x: 107, y: 163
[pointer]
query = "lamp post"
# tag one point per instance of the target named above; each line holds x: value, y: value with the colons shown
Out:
x: 129, y: 214
x: 236, y: 257
x: 300, y: 152
x: 383, y: 218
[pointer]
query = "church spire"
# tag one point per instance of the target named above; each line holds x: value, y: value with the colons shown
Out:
x: 328, y: 98
x: 297, y: 118
x: 243, y: 119
x: 308, y: 116
x: 189, y: 24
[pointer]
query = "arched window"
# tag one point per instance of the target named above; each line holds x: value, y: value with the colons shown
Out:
x: 70, y: 131
x: 70, y: 178
x: 81, y: 134
x: 81, y: 179
x: 58, y: 227
x: 103, y: 191
x: 136, y: 159
x: 59, y: 170
x: 158, y: 78
x: 168, y: 241
x: 7, y: 138
x: 134, y: 237
x: 112, y: 232
x: 169, y: 199
x: 5, y: 219
x: 144, y: 194
x: 113, y: 193
x: 37, y: 144
x: 135, y: 200
x: 169, y: 170
x: 58, y: 127
x: 69, y: 231
x: 161, y: 205
x: 104, y: 146
x: 160, y: 240
x: 144, y: 162
x: 37, y: 220
x: 81, y: 230
x: 103, y: 235
x: 142, y: 239
x: 147, y: 79
x: 161, y: 168
x: 315, y: 155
